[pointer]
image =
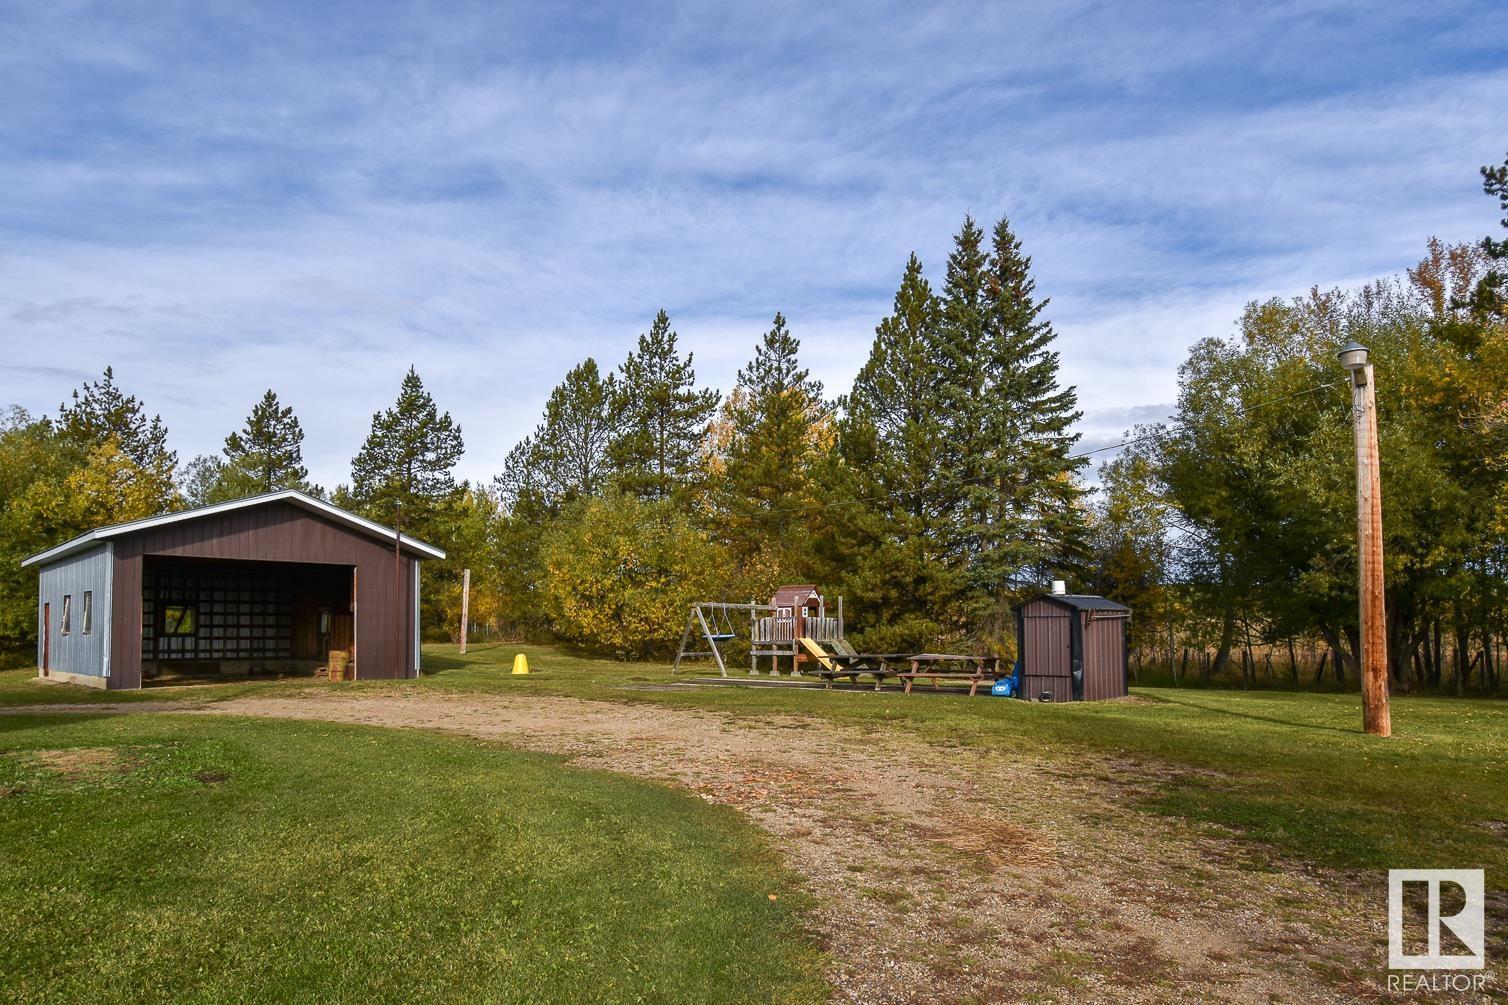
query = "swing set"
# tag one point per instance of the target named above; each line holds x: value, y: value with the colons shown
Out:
x: 775, y: 629
x: 712, y: 620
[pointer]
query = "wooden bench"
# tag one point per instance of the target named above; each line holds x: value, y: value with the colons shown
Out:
x: 853, y: 675
x: 831, y: 665
x: 936, y: 666
x: 856, y: 665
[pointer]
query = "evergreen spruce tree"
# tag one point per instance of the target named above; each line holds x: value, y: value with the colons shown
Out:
x: 662, y: 418
x: 101, y: 414
x: 565, y: 457
x: 895, y: 515
x: 774, y: 420
x: 526, y: 516
x: 900, y: 392
x: 519, y: 480
x: 578, y: 426
x: 1491, y: 294
x: 962, y: 334
x: 404, y: 471
x: 267, y: 453
x: 1023, y: 499
x: 962, y: 323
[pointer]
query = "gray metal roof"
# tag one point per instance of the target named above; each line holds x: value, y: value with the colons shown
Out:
x: 1079, y: 602
x: 293, y: 496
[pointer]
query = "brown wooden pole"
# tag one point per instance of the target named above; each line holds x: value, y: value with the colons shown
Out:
x: 465, y: 605
x: 1376, y: 718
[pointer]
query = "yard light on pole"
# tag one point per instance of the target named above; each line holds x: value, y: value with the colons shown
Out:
x: 1354, y: 356
x: 1374, y: 633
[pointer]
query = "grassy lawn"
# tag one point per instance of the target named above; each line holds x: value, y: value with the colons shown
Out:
x: 176, y: 858
x: 1288, y: 769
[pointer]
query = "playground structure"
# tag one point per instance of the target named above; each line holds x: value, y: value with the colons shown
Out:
x: 775, y: 629
x: 795, y: 625
x: 1072, y: 647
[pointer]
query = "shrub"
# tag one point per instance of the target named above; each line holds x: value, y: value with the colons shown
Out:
x: 620, y: 574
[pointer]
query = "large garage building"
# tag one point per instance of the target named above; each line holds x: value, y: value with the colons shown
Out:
x: 278, y: 583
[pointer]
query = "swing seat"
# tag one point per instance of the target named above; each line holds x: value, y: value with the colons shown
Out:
x: 720, y: 632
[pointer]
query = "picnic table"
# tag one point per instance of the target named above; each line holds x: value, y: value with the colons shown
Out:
x: 974, y: 669
x: 853, y: 665
x: 843, y: 661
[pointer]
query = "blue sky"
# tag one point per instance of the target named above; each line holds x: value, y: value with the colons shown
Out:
x: 217, y: 199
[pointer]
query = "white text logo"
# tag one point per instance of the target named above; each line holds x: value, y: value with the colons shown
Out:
x: 1468, y: 924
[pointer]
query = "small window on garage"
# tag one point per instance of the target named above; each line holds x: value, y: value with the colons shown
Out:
x: 178, y: 619
x: 87, y: 615
x: 67, y: 613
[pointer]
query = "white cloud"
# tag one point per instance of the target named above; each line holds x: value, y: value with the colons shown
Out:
x: 263, y: 204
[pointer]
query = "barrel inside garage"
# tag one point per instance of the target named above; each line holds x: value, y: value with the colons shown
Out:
x: 1072, y: 647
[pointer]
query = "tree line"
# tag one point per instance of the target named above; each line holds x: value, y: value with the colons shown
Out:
x: 943, y: 488
x: 932, y: 495
x: 103, y: 459
x: 1231, y: 527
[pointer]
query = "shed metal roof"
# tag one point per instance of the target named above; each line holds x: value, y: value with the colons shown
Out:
x: 293, y: 496
x: 1078, y: 602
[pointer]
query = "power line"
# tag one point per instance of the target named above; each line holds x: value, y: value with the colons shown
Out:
x: 1242, y: 411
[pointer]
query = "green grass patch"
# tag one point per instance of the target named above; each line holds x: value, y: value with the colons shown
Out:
x: 1291, y: 770
x: 170, y: 858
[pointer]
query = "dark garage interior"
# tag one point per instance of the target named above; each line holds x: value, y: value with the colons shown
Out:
x: 204, y: 618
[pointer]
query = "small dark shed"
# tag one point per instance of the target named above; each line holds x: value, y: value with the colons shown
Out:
x: 1072, y: 647
x: 277, y: 583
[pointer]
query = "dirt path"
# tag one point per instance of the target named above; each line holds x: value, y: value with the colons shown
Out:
x: 945, y: 877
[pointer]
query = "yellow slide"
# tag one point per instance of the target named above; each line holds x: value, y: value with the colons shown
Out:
x: 819, y: 654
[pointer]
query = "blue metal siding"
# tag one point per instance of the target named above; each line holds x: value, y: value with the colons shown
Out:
x: 90, y: 571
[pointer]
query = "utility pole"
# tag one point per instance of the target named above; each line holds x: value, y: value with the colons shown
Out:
x: 465, y: 605
x: 1374, y: 630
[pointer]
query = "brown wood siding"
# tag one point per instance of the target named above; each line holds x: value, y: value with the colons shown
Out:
x: 275, y: 532
x: 1104, y: 655
x: 1045, y: 650
x: 1061, y: 688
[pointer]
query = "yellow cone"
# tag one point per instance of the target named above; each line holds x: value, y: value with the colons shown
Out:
x: 520, y: 663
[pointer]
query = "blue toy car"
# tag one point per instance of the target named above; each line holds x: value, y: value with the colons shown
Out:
x: 1009, y: 687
